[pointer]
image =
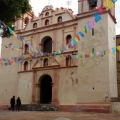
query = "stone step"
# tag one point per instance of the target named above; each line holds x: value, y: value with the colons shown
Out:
x: 98, y: 108
x: 115, y: 99
x: 4, y: 106
x: 38, y: 107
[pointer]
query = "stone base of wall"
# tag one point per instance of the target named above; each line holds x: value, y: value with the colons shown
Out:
x: 4, y: 106
x: 80, y: 107
x: 97, y: 108
x: 115, y: 99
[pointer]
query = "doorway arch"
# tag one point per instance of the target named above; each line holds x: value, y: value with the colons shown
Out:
x: 45, y: 89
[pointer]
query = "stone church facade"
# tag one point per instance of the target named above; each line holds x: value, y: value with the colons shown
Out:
x: 66, y: 80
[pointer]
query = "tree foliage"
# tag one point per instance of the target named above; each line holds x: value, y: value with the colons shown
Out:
x: 10, y: 10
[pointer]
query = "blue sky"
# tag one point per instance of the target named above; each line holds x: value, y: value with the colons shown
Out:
x: 38, y: 5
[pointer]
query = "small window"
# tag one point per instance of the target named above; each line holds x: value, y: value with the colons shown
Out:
x: 47, y: 22
x: 92, y: 31
x: 47, y: 14
x: 35, y: 25
x: 68, y: 40
x: 45, y: 62
x: 26, y: 48
x: 25, y: 66
x: 68, y: 60
x: 60, y: 19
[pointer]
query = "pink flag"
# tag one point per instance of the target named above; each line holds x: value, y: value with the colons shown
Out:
x: 100, y: 9
x: 92, y: 21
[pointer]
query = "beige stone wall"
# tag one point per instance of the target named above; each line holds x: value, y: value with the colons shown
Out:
x: 112, y: 59
x: 68, y: 85
x: 9, y: 74
x: 25, y: 83
x: 8, y: 83
x: 8, y: 52
x: 94, y: 84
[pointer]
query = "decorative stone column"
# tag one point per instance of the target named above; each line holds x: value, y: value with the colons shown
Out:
x: 54, y: 40
x: 50, y: 60
x: 41, y: 62
x: 74, y: 36
x: 55, y: 87
x: 38, y: 93
x: 34, y: 87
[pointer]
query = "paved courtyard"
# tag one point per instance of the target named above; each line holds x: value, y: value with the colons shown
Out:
x: 30, y: 115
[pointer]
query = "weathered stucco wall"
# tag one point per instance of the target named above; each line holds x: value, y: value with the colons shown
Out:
x: 93, y: 72
x: 25, y: 83
x: 8, y: 83
x: 9, y: 74
x: 112, y: 59
x: 68, y: 85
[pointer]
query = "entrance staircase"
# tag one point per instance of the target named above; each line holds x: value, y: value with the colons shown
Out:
x: 38, y: 107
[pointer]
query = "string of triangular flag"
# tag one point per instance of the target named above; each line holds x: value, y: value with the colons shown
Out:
x: 21, y: 39
x: 108, y: 4
x: 90, y: 25
x: 17, y: 60
x: 12, y: 47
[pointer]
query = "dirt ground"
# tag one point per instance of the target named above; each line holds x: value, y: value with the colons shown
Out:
x: 39, y: 115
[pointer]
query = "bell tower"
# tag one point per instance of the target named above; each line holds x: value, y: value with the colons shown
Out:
x: 87, y: 5
x: 103, y: 38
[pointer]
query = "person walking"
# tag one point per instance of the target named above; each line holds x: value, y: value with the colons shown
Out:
x: 18, y: 104
x: 12, y: 102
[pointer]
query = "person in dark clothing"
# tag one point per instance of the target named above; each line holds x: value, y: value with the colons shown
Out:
x: 12, y: 102
x: 18, y: 103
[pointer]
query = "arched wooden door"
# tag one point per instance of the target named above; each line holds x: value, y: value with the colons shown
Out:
x: 46, y: 90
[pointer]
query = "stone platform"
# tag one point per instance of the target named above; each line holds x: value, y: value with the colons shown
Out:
x: 55, y: 115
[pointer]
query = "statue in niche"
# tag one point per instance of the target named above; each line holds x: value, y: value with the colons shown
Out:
x: 45, y: 62
x: 60, y: 19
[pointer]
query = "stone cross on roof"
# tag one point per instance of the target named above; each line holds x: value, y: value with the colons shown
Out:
x: 68, y: 3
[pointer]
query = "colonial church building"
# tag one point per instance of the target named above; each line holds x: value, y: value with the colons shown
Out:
x: 62, y: 81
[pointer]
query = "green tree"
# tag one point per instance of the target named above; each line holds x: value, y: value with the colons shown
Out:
x: 10, y: 10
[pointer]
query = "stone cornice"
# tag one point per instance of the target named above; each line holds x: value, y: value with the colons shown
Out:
x: 50, y: 68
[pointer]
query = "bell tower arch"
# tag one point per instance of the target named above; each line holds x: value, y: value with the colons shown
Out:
x: 87, y: 5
